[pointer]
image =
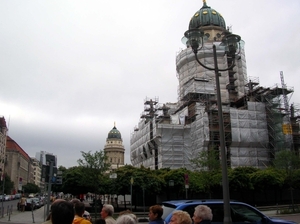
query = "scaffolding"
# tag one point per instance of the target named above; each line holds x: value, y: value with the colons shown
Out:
x: 171, y: 134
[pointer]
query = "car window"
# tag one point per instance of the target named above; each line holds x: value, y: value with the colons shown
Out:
x: 218, y: 212
x: 243, y: 213
x: 167, y: 210
x: 190, y: 209
x: 239, y: 213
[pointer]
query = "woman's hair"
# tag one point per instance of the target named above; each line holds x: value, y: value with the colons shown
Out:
x: 182, y: 217
x: 109, y: 209
x: 125, y: 212
x: 129, y: 218
x: 203, y: 212
x: 157, y: 209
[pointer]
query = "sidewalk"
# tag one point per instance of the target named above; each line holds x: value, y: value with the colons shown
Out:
x: 37, y: 216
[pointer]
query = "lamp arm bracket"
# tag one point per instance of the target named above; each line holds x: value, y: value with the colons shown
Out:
x: 209, y: 68
x: 203, y: 65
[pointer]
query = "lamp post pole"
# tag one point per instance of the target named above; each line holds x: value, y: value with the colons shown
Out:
x: 194, y: 38
x: 225, y: 183
x: 131, y: 183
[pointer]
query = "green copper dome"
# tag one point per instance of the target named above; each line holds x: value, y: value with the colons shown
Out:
x: 207, y: 16
x: 114, y: 133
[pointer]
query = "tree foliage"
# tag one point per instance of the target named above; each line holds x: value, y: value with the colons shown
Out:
x: 93, y: 175
x: 94, y: 166
x: 8, y: 184
x: 267, y: 179
x: 286, y: 160
x: 239, y: 178
x: 31, y: 188
x: 207, y: 160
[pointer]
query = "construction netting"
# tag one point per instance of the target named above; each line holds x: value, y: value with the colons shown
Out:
x: 249, y: 131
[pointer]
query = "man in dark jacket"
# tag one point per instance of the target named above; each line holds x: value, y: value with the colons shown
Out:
x: 155, y: 214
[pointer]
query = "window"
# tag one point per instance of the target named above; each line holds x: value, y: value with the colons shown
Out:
x: 243, y: 213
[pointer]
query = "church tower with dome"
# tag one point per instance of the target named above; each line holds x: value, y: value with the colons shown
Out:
x: 171, y: 135
x: 114, y: 148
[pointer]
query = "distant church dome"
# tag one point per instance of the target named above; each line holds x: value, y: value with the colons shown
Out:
x: 207, y: 16
x: 114, y: 133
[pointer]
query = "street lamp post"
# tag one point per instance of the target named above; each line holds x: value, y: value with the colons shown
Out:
x: 194, y: 38
x: 131, y: 183
x: 171, y: 185
x: 114, y: 177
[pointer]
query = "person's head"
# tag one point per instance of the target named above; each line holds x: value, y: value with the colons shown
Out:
x: 79, y: 208
x: 87, y: 215
x: 202, y: 212
x: 53, y: 206
x: 75, y: 200
x: 129, y: 218
x: 125, y: 212
x: 107, y: 210
x: 180, y: 217
x: 155, y: 212
x: 62, y: 212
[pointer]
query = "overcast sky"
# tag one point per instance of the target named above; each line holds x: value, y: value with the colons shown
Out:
x: 70, y: 69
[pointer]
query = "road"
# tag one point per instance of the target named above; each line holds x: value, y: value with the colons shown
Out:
x: 291, y: 217
x: 9, y: 204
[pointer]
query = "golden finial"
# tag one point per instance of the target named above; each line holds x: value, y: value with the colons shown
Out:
x: 114, y: 124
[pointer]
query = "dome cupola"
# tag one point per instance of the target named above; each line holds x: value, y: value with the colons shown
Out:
x: 114, y: 133
x: 206, y: 16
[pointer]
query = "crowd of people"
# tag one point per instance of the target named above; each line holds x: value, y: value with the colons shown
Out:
x: 73, y: 212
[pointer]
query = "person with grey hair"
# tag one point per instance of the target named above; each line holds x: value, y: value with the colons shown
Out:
x: 128, y: 218
x: 202, y: 215
x: 106, y: 214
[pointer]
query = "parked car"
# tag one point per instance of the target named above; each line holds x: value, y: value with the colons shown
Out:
x: 7, y: 197
x: 240, y: 212
x: 31, y: 195
x: 17, y: 196
x: 36, y: 202
x: 30, y: 204
x: 42, y: 201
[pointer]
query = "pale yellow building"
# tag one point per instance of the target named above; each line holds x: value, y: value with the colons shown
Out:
x: 18, y: 165
x: 114, y: 148
x: 37, y: 172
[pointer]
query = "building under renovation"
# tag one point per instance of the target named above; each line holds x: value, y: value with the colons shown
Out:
x: 258, y: 121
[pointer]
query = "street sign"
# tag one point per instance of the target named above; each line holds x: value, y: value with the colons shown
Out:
x: 58, y: 179
x: 186, y: 179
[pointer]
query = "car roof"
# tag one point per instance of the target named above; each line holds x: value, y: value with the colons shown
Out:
x: 179, y: 203
x: 197, y: 201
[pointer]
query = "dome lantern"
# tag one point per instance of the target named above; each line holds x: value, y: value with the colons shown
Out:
x: 206, y: 16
